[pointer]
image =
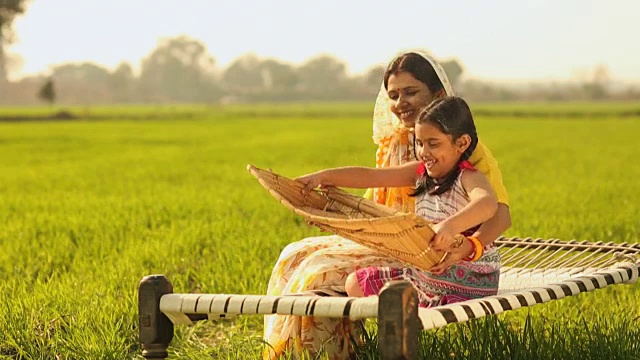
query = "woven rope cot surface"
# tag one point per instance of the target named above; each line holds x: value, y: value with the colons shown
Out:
x: 404, y: 236
x: 529, y: 262
x: 528, y: 283
x: 459, y: 312
x: 186, y: 308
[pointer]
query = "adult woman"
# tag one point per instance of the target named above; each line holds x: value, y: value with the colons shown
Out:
x: 322, y: 264
x: 417, y: 80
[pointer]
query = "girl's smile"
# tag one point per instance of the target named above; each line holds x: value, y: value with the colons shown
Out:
x: 437, y: 150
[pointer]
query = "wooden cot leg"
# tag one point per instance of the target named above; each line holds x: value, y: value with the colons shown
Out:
x: 156, y: 330
x: 398, y: 322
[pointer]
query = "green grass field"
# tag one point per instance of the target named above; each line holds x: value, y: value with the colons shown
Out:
x: 88, y: 207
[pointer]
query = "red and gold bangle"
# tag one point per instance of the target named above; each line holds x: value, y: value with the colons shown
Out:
x: 478, y: 249
x: 472, y: 254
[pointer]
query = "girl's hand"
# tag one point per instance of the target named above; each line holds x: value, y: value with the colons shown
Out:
x: 458, y: 249
x: 312, y: 181
x: 443, y: 238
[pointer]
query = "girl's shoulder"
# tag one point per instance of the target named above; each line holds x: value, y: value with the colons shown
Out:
x: 470, y: 179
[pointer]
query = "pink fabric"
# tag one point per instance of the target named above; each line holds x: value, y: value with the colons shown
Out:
x: 372, y: 279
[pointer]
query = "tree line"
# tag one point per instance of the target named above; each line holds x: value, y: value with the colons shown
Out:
x: 181, y: 70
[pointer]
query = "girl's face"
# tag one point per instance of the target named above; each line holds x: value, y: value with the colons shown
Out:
x: 408, y: 96
x: 438, y: 151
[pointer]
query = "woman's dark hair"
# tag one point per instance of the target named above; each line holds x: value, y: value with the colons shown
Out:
x: 420, y: 68
x: 453, y: 117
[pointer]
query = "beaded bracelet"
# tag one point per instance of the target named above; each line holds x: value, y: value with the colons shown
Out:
x: 478, y: 249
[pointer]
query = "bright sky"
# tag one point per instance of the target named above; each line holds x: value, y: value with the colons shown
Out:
x: 503, y: 40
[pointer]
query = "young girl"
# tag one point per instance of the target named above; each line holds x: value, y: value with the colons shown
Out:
x: 447, y: 187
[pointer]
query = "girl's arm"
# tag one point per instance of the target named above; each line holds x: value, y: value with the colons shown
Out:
x: 482, y: 206
x: 362, y: 177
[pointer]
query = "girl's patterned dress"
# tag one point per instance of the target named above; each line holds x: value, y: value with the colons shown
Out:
x: 322, y: 264
x: 462, y: 281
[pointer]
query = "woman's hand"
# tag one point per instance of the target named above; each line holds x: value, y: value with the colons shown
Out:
x: 312, y: 181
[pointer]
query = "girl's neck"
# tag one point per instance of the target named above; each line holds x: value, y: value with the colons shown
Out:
x: 441, y: 179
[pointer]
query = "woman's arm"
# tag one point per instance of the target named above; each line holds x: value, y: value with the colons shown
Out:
x: 362, y: 177
x: 493, y: 228
x: 483, y: 160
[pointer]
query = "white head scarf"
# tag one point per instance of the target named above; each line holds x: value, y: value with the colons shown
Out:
x: 384, y: 121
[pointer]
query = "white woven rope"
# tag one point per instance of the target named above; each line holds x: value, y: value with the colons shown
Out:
x: 463, y: 311
x: 180, y: 307
x: 579, y: 267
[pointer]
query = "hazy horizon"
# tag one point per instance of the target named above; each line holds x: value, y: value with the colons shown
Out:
x: 496, y: 40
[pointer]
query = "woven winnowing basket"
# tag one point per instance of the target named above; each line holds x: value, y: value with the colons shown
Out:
x: 404, y: 236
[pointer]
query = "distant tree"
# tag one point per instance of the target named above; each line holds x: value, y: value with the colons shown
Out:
x: 179, y: 69
x: 322, y: 77
x: 13, y: 62
x: 244, y: 76
x: 251, y: 78
x: 598, y: 86
x: 82, y: 83
x: 278, y: 76
x: 362, y: 87
x: 373, y: 78
x: 122, y: 83
x: 86, y: 72
x: 48, y: 92
x: 632, y: 92
x: 454, y: 69
x: 9, y: 9
x: 479, y: 90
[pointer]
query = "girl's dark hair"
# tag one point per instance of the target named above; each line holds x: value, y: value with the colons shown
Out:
x: 453, y: 117
x: 420, y: 68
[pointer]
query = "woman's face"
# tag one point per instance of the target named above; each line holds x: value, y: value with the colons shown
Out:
x: 408, y: 96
